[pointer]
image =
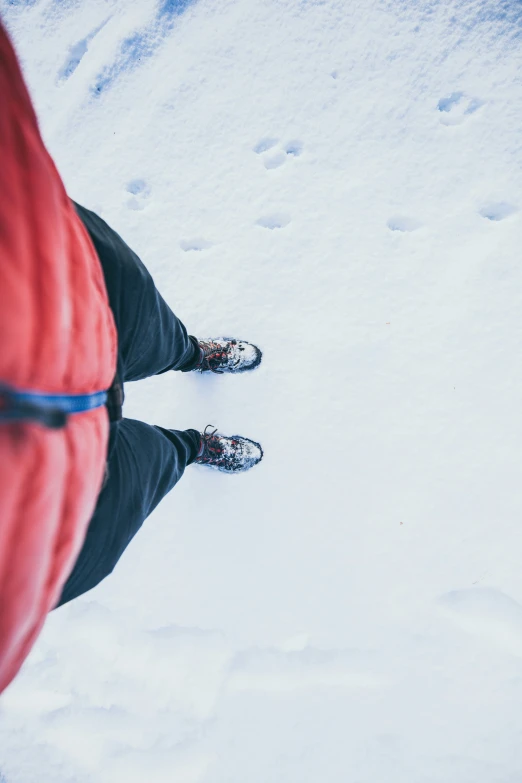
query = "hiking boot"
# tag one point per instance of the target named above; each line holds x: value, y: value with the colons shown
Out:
x: 231, y: 454
x: 223, y: 354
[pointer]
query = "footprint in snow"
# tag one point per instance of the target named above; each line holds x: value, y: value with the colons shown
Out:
x: 77, y: 52
x: 402, y: 223
x: 264, y: 145
x: 275, y: 161
x: 140, y: 194
x: 139, y: 45
x: 294, y: 148
x: 195, y: 244
x: 497, y: 211
x: 277, y: 157
x: 276, y: 220
x: 457, y: 107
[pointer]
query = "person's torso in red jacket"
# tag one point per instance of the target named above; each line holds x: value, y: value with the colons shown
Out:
x: 57, y: 337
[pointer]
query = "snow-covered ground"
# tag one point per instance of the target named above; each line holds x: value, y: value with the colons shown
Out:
x: 340, y: 182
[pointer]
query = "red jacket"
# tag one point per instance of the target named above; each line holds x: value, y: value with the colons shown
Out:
x: 57, y: 336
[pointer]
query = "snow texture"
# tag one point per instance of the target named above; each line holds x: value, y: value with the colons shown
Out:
x: 338, y: 182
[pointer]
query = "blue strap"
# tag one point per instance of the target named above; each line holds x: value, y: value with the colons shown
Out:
x: 51, y: 410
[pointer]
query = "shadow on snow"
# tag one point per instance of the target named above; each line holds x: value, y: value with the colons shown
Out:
x: 142, y: 44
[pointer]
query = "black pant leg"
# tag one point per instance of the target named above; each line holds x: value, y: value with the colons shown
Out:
x: 145, y: 463
x: 151, y: 338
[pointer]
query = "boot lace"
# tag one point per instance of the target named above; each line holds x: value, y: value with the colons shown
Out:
x: 213, y: 451
x: 215, y: 356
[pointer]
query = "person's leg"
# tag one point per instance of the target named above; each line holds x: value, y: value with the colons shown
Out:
x: 144, y: 462
x: 151, y: 339
x: 144, y: 465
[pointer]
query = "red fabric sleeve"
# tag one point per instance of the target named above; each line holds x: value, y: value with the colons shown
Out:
x: 57, y: 335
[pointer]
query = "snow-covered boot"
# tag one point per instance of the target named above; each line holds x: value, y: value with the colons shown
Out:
x: 230, y: 454
x: 223, y: 354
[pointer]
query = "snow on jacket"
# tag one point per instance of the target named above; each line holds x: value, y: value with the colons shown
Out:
x: 57, y: 356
